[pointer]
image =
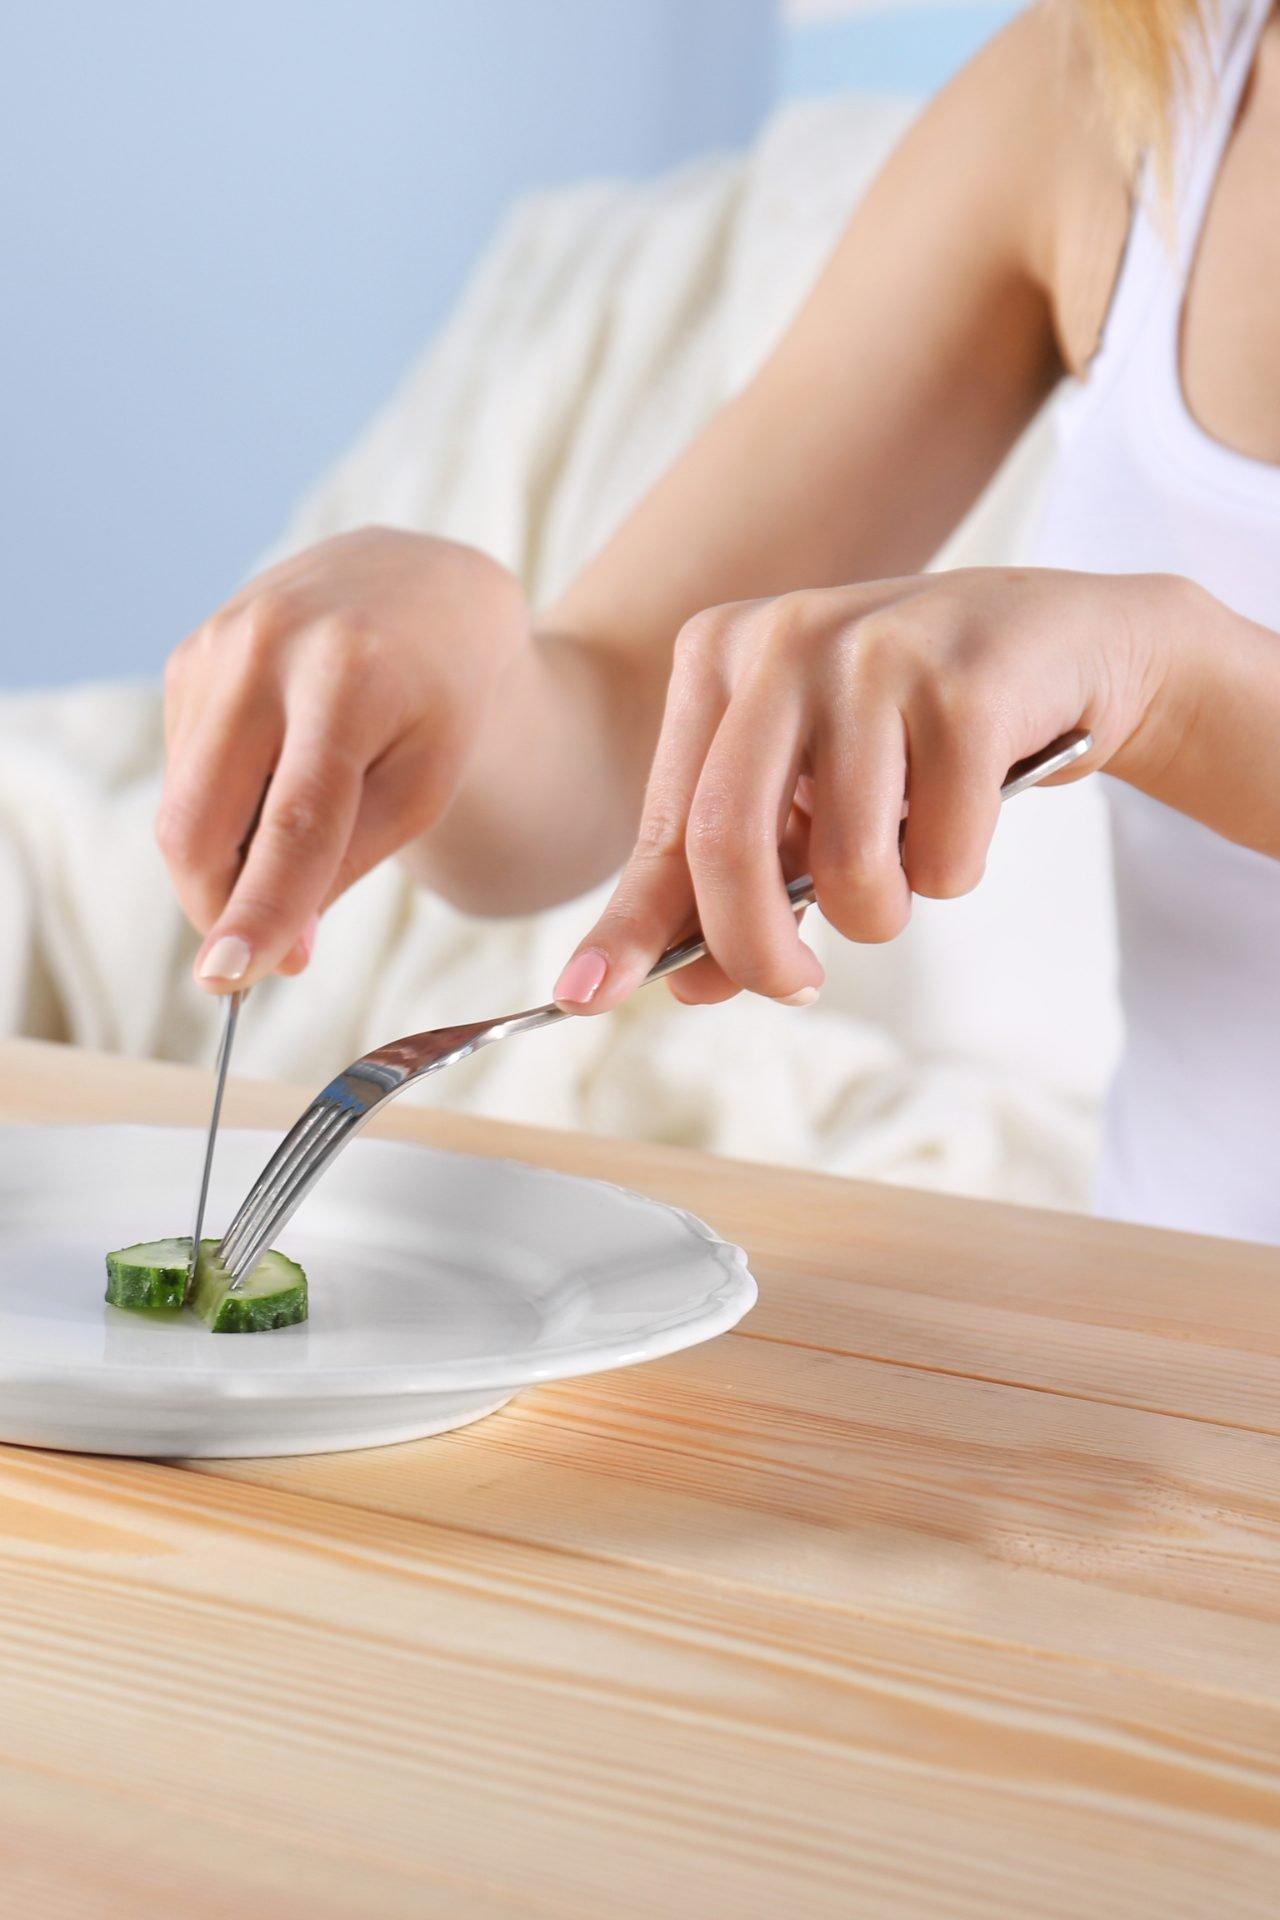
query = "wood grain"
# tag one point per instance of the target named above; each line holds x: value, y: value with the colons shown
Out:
x: 948, y: 1586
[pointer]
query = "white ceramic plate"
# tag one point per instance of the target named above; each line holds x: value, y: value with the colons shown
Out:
x: 440, y: 1284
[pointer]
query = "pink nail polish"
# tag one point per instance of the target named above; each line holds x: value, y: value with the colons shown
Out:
x: 227, y: 959
x: 581, y: 980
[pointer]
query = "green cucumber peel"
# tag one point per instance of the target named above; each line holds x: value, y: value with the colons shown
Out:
x: 150, y: 1277
x: 273, y: 1295
x: 153, y: 1277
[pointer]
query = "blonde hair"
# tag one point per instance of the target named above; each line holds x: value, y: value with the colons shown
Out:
x: 1145, y: 54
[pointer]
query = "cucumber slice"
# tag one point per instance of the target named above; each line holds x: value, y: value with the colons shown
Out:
x: 149, y: 1277
x: 152, y: 1277
x: 273, y: 1295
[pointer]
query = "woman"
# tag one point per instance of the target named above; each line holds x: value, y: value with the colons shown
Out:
x: 747, y: 678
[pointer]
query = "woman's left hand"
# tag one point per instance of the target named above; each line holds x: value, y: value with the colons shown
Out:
x: 794, y: 729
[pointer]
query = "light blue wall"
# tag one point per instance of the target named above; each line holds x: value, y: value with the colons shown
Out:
x: 227, y: 225
x: 905, y: 46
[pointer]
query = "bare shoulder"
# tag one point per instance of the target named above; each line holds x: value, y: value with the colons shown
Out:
x: 1028, y: 112
x: 1080, y: 224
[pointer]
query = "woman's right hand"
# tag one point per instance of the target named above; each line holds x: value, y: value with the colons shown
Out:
x: 319, y: 722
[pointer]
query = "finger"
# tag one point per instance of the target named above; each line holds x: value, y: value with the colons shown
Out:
x: 402, y: 797
x: 653, y: 901
x: 736, y: 823
x: 213, y: 786
x: 702, y: 984
x: 859, y: 775
x: 954, y: 803
x: 296, y: 850
x: 705, y: 983
x: 298, y: 959
x: 398, y: 801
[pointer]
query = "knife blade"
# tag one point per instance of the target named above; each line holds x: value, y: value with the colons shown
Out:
x: 220, y: 1081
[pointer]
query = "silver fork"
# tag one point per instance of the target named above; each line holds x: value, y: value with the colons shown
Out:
x: 350, y: 1101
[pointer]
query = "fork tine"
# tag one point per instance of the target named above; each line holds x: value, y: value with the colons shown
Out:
x: 253, y: 1200
x: 282, y: 1197
x: 292, y: 1148
x: 338, y: 1112
x: 274, y: 1182
x: 285, y: 1202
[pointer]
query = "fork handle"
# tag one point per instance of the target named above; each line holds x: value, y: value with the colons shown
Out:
x: 802, y: 893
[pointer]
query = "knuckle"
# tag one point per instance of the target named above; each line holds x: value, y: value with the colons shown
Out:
x: 179, y: 830
x: 256, y: 629
x: 791, y: 621
x: 861, y: 900
x: 717, y: 840
x: 880, y: 638
x: 699, y: 639
x: 346, y: 648
x: 194, y: 654
x: 661, y: 833
x: 895, y: 643
x: 299, y: 820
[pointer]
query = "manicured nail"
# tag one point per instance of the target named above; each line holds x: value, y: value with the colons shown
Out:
x: 227, y: 959
x: 805, y: 998
x: 581, y: 980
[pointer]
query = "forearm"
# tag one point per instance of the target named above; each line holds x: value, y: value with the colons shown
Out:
x: 921, y: 353
x: 552, y: 793
x: 1208, y: 745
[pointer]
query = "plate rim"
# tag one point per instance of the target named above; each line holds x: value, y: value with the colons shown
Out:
x: 721, y: 1308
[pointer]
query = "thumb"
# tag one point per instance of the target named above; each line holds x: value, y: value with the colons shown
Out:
x: 649, y: 909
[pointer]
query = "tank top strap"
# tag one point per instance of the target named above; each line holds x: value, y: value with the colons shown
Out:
x: 1207, y: 124
x: 1161, y: 247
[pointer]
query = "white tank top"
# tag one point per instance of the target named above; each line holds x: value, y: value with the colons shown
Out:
x: 1192, y: 1128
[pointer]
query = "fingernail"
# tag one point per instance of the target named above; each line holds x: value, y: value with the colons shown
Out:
x: 580, y: 982
x: 805, y: 998
x: 307, y: 938
x: 227, y: 959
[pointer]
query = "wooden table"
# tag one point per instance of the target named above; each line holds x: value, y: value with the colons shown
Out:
x: 949, y: 1585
